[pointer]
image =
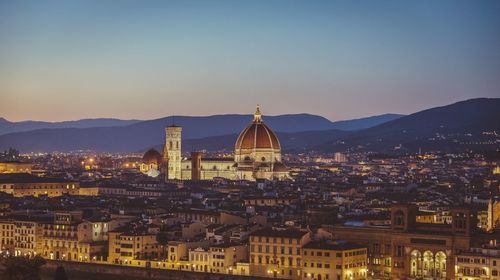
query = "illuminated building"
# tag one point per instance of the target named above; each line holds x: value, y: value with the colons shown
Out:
x: 126, y: 245
x: 410, y: 249
x: 199, y: 259
x: 27, y: 237
x: 339, y: 157
x: 276, y: 253
x: 7, y: 230
x: 334, y: 260
x: 496, y: 170
x: 151, y: 162
x: 22, y: 184
x: 60, y: 237
x: 224, y: 257
x: 478, y: 264
x: 15, y: 167
x: 257, y: 155
x: 493, y: 215
x: 173, y: 147
x: 70, y: 238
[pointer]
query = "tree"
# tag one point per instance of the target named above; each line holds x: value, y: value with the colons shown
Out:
x: 21, y: 268
x: 60, y: 274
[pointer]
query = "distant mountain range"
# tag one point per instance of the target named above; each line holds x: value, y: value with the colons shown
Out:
x: 463, y: 125
x: 453, y: 127
x: 11, y: 127
x: 290, y: 141
x: 456, y: 127
x: 142, y: 134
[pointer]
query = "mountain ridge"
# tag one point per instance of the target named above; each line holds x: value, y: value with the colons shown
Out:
x: 444, y: 127
x: 137, y: 135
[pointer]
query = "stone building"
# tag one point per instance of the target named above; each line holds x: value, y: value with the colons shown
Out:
x: 24, y: 184
x: 410, y: 250
x: 257, y: 155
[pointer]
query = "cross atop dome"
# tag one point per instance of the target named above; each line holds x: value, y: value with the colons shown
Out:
x: 257, y: 116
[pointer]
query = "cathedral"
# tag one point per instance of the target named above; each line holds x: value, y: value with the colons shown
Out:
x: 257, y: 155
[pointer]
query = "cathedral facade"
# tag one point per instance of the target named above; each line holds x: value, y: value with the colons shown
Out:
x: 257, y: 155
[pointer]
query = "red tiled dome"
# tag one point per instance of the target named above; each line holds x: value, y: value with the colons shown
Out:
x: 152, y: 156
x: 257, y: 136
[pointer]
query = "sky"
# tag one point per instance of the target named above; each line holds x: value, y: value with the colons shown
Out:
x: 67, y: 60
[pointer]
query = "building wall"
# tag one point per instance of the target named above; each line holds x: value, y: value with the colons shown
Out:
x: 15, y: 167
x: 27, y: 238
x: 7, y: 230
x: 320, y: 264
x: 210, y: 169
x: 173, y: 147
x: 477, y: 266
x: 37, y: 189
x: 225, y: 259
x: 124, y: 248
x: 276, y: 257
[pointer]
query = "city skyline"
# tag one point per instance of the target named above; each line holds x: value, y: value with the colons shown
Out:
x: 340, y: 60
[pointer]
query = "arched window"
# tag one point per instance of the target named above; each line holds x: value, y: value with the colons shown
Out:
x: 440, y: 265
x: 428, y: 264
x: 416, y: 264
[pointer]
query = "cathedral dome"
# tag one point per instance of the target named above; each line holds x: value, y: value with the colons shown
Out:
x: 257, y: 135
x: 152, y: 156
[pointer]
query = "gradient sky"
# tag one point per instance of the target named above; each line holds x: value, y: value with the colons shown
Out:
x: 66, y: 60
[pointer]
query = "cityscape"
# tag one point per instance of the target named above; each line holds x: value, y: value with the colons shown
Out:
x: 114, y: 165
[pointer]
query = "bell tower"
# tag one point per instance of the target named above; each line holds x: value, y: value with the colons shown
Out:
x: 173, y: 152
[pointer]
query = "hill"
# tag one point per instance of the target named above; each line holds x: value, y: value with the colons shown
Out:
x: 7, y: 127
x: 136, y: 136
x: 463, y: 125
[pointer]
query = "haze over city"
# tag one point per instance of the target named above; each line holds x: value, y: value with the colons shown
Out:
x: 67, y: 60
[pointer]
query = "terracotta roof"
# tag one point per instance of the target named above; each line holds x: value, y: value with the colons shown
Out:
x: 287, y: 233
x: 338, y: 246
x: 152, y: 156
x: 12, y: 178
x: 257, y: 136
x: 279, y: 167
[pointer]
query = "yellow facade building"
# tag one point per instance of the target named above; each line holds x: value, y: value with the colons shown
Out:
x: 7, y: 230
x: 334, y: 261
x: 478, y: 264
x: 224, y: 258
x: 23, y: 184
x: 27, y: 237
x: 126, y: 245
x: 15, y: 167
x: 277, y: 252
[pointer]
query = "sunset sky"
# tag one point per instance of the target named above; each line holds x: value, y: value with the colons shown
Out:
x: 66, y: 60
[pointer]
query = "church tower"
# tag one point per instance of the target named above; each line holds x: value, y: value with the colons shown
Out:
x: 173, y: 152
